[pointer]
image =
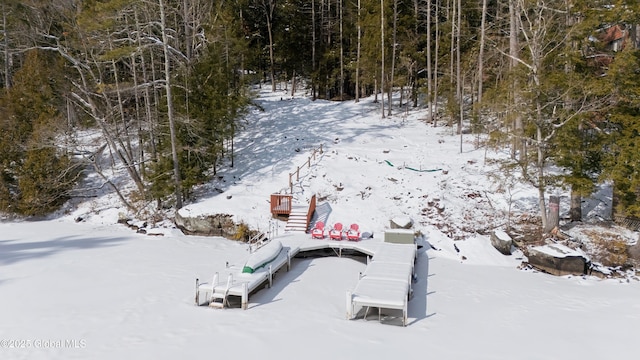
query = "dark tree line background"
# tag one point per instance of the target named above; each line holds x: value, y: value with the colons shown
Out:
x: 167, y: 83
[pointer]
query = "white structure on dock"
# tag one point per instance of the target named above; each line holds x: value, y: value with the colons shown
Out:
x: 241, y: 284
x: 385, y: 283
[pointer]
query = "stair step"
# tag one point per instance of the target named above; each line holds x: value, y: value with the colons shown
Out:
x: 299, y: 227
x: 216, y: 305
x: 297, y: 221
x: 295, y: 230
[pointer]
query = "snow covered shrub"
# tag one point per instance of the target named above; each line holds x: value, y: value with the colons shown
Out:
x: 243, y: 232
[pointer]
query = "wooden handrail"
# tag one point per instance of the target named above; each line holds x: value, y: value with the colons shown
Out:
x: 312, y: 209
x: 281, y: 204
x: 308, y: 163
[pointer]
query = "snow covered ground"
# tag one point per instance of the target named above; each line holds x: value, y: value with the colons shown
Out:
x: 96, y: 290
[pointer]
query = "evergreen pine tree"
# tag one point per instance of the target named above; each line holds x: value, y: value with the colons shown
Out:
x: 36, y: 173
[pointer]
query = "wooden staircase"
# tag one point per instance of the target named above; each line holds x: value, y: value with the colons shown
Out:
x: 298, y: 216
x: 297, y: 221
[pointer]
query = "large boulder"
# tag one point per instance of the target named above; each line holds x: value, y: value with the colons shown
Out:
x: 633, y: 252
x: 401, y: 222
x: 558, y: 260
x: 206, y: 225
x: 502, y: 242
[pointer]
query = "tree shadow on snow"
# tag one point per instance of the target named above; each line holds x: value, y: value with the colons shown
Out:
x: 294, y: 129
x: 281, y: 279
x: 13, y: 251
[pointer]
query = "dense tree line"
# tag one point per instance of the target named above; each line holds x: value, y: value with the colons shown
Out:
x: 166, y: 82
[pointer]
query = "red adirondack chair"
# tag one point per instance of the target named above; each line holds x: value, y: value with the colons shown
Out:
x: 318, y: 231
x: 336, y: 232
x: 353, y: 233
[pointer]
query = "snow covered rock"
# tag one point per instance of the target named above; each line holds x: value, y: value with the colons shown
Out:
x: 634, y: 253
x: 401, y: 222
x: 206, y: 225
x: 558, y: 260
x: 502, y: 242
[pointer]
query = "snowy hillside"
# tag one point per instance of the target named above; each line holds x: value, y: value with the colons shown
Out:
x: 372, y: 169
x: 97, y: 290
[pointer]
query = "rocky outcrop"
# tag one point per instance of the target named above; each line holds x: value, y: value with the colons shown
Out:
x: 633, y: 252
x: 558, y: 260
x: 207, y: 225
x: 502, y: 242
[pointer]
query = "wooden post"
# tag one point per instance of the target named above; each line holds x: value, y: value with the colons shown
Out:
x: 298, y: 174
x: 290, y: 183
x: 404, y: 314
x: 309, y: 162
x: 554, y: 213
x: 320, y: 148
x: 197, y: 292
x: 245, y: 296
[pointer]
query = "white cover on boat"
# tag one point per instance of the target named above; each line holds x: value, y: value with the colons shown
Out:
x: 263, y: 256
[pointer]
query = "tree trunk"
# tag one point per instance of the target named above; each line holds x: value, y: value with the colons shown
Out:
x: 434, y: 96
x: 382, y: 55
x: 358, y: 55
x: 541, y: 179
x: 150, y: 110
x: 459, y: 82
x: 187, y: 29
x: 575, y: 212
x: 393, y: 54
x: 375, y: 92
x: 341, y: 54
x: 143, y: 68
x: 268, y: 8
x: 126, y: 146
x: 293, y: 83
x: 313, y: 49
x: 140, y: 150
x: 452, y: 50
x: 8, y: 57
x: 172, y: 126
x: 518, y: 144
x: 481, y: 50
x: 429, y: 75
